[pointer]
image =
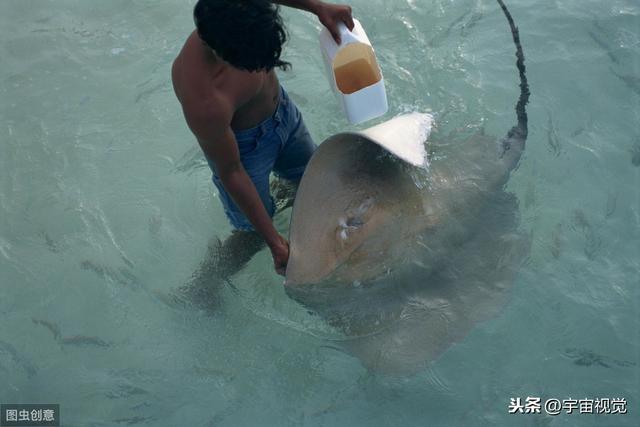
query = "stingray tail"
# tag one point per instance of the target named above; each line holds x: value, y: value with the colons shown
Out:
x: 513, y: 142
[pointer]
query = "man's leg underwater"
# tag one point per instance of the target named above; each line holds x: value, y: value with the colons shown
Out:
x: 226, y: 258
x: 222, y: 261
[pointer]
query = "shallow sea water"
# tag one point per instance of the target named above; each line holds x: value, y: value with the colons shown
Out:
x: 106, y: 199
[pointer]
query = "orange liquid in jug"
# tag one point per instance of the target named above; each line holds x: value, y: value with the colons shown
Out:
x: 355, y: 75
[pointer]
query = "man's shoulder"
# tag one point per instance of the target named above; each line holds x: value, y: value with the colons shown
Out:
x: 199, y: 99
x: 212, y: 112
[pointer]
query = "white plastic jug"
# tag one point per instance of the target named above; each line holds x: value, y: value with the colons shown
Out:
x: 354, y: 73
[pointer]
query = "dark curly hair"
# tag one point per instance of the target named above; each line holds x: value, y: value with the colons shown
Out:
x: 248, y: 34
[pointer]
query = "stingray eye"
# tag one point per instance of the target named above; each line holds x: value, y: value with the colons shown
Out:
x: 363, y: 207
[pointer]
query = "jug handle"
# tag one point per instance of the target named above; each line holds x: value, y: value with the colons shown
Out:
x: 346, y: 36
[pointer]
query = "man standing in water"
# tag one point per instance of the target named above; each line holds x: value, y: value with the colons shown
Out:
x: 242, y: 118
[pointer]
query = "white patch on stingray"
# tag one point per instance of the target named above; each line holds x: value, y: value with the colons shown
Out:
x: 404, y: 136
x: 343, y: 234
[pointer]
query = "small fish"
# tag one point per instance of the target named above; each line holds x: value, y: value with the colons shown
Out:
x: 191, y: 161
x: 48, y: 30
x: 127, y: 278
x: 604, y: 46
x: 587, y: 358
x: 593, y: 242
x: 582, y: 357
x: 90, y: 266
x: 144, y: 83
x: 153, y: 89
x: 632, y: 82
x: 155, y: 224
x: 18, y: 359
x: 126, y: 390
x: 580, y: 219
x: 556, y: 241
x: 51, y: 245
x: 127, y: 261
x: 80, y: 340
x: 552, y: 139
x: 472, y: 22
x: 52, y: 327
x: 592, y: 245
x: 457, y: 21
x: 133, y: 420
x: 140, y: 406
x: 443, y: 35
x: 577, y: 131
x: 121, y: 276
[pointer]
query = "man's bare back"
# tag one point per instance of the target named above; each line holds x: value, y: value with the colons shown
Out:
x: 199, y: 78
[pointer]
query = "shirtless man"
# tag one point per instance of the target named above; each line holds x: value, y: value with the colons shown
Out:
x: 242, y: 118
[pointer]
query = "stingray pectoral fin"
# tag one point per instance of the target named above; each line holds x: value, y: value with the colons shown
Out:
x: 408, y: 345
x: 433, y: 311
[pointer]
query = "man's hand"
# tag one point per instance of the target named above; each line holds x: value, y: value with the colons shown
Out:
x: 330, y: 15
x: 280, y: 254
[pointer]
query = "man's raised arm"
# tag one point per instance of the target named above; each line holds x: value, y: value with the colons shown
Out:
x: 329, y: 14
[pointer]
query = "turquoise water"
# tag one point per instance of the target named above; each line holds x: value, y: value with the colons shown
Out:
x: 105, y: 199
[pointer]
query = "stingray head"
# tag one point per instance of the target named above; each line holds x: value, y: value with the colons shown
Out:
x: 352, y: 213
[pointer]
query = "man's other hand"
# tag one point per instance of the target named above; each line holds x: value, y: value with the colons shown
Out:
x: 330, y: 15
x: 280, y: 254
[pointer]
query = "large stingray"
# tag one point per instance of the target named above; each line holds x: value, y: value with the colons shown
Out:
x: 406, y: 260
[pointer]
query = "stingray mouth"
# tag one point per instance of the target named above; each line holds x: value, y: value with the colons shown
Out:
x: 346, y: 226
x: 352, y: 222
x: 312, y: 268
x: 343, y: 250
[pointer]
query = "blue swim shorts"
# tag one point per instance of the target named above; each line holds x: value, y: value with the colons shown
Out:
x: 281, y: 144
